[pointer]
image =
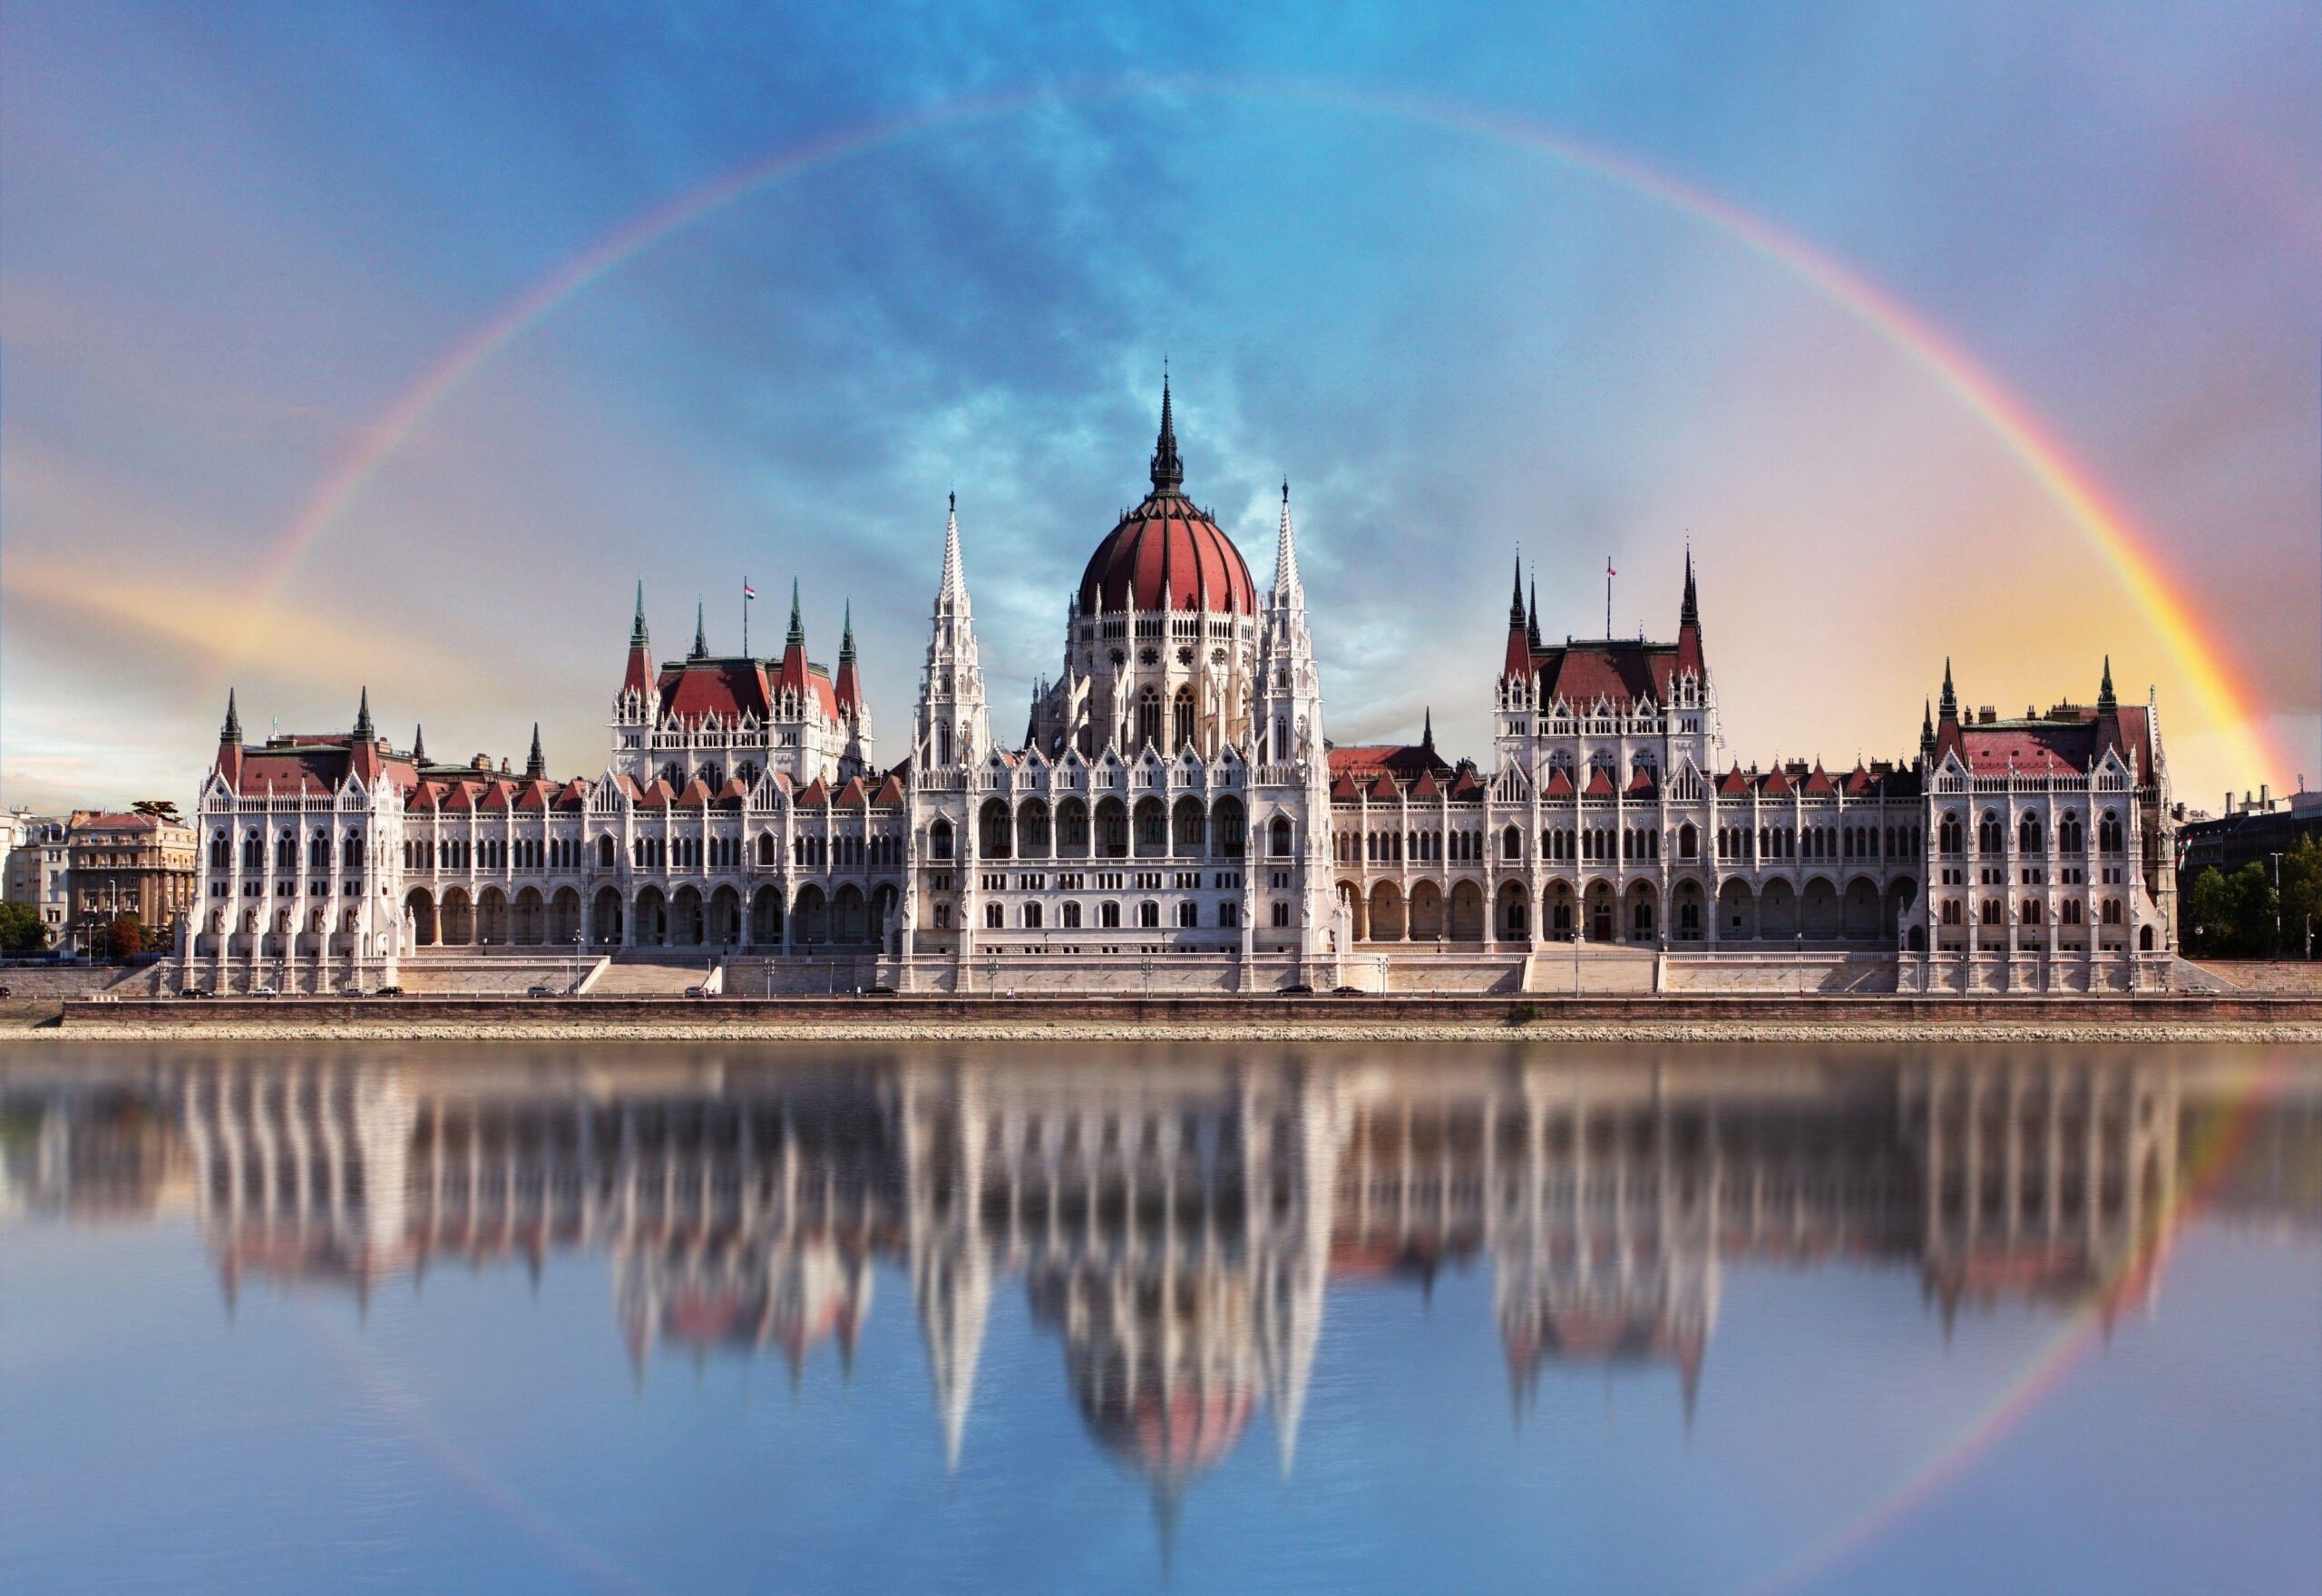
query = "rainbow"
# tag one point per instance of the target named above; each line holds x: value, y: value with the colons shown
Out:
x: 2082, y: 1334
x: 2126, y: 549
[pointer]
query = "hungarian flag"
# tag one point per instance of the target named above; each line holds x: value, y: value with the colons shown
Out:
x: 1608, y: 566
x: 748, y: 591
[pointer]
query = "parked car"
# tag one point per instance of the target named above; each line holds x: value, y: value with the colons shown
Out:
x: 1346, y: 991
x: 197, y: 994
x: 264, y: 991
x: 350, y: 991
x: 1297, y: 990
x: 881, y: 990
x: 538, y: 990
x: 388, y: 992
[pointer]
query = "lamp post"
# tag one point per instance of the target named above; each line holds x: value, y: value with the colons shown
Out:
x: 2278, y: 903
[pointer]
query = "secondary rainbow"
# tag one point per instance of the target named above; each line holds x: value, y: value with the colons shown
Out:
x: 2125, y: 549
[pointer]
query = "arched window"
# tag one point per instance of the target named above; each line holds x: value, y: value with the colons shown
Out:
x: 994, y: 836
x: 605, y: 851
x: 712, y: 777
x: 2112, y: 911
x: 1148, y: 718
x: 221, y: 850
x: 1229, y: 914
x: 1511, y: 843
x: 995, y: 918
x: 1278, y: 835
x: 765, y: 850
x: 2108, y: 838
x: 1031, y: 916
x: 1149, y: 915
x: 1688, y: 840
x: 1072, y: 917
x: 1109, y: 916
x: 1951, y: 913
x: 2027, y: 834
x: 1188, y: 914
x: 1182, y: 717
x: 939, y: 840
x: 1948, y: 832
x: 353, y: 852
x: 253, y: 850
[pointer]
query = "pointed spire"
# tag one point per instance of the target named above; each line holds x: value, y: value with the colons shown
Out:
x: 1169, y: 470
x: 1927, y: 727
x: 797, y: 638
x: 535, y: 766
x: 700, y: 633
x: 637, y: 637
x: 1950, y: 705
x: 1516, y: 604
x: 1427, y: 730
x: 846, y: 635
x: 1532, y: 613
x: 231, y: 732
x: 364, y: 733
x: 418, y: 744
x: 2106, y: 703
x: 1285, y: 554
x: 1690, y: 612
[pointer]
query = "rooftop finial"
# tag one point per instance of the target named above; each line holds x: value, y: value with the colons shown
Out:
x: 1516, y: 605
x: 2106, y: 703
x: 418, y: 744
x: 1690, y: 612
x: 232, y: 730
x: 637, y: 637
x: 1532, y: 612
x: 700, y: 633
x: 846, y: 635
x: 363, y: 729
x: 1427, y: 730
x: 1169, y: 470
x: 1927, y: 727
x: 535, y: 765
x: 797, y: 638
x: 1950, y: 705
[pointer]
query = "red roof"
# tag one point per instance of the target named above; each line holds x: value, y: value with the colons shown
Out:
x: 2051, y: 742
x: 726, y: 688
x: 1168, y: 549
x: 1620, y: 672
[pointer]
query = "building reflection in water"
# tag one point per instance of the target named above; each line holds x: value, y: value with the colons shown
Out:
x: 1175, y: 1224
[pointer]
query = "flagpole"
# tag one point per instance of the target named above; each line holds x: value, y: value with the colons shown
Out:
x: 1609, y: 598
x: 746, y: 618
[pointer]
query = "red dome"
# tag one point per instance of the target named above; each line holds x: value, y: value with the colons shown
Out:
x: 1167, y: 547
x: 1167, y: 553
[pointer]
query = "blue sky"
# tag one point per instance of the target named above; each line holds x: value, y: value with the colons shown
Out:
x: 230, y: 240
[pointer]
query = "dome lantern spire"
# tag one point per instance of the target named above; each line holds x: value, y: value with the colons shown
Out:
x: 1169, y: 470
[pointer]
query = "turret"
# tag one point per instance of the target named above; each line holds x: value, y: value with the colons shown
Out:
x: 2106, y: 703
x: 639, y: 678
x: 230, y: 743
x: 365, y: 761
x: 792, y: 676
x: 1690, y: 657
x: 849, y: 685
x: 953, y: 726
x: 1517, y: 664
x: 535, y: 764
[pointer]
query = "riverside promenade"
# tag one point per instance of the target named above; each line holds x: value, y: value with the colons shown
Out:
x: 2250, y: 1016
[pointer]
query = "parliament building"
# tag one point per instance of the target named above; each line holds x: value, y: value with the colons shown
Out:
x: 1176, y: 819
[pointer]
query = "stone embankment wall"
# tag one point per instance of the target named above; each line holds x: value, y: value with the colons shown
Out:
x: 1719, y: 1018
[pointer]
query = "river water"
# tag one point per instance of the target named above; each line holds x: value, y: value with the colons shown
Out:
x: 692, y: 1318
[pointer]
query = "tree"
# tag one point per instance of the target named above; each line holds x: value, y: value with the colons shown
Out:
x: 2251, y: 891
x: 121, y: 937
x: 2301, y: 895
x: 21, y: 930
x: 2209, y: 915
